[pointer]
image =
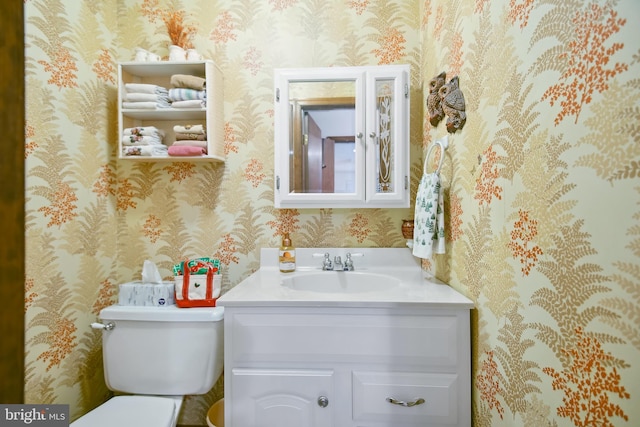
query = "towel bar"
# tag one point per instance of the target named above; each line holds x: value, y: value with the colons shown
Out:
x: 444, y: 144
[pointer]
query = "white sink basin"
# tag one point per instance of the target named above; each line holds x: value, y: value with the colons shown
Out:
x: 340, y: 282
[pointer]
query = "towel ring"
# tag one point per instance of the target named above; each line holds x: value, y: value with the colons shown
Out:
x: 443, y: 143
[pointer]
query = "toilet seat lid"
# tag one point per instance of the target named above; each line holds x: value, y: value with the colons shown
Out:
x: 131, y: 411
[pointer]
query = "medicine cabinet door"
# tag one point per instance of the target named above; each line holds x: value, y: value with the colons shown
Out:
x: 387, y: 146
x: 341, y: 137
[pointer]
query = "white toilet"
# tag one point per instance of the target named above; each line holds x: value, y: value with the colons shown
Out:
x: 153, y: 357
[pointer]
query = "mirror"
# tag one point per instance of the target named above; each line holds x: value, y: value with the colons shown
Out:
x: 322, y: 145
x: 323, y: 158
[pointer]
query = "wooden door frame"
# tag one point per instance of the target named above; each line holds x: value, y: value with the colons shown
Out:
x: 12, y: 200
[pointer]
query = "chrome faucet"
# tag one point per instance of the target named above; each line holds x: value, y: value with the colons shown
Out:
x: 337, y: 264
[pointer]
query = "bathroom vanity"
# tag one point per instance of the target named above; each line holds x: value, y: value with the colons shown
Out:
x: 377, y: 346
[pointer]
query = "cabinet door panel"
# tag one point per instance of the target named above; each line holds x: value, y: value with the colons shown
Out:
x: 281, y: 398
x: 437, y: 393
x: 387, y: 143
x: 359, y: 339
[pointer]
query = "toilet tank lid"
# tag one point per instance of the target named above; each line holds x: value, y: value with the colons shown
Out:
x: 170, y: 313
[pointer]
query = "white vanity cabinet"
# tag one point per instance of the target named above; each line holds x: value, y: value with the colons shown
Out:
x: 358, y: 366
x: 282, y: 397
x: 211, y: 117
x: 342, y: 137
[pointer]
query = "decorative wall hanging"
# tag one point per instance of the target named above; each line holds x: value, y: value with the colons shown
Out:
x: 453, y: 105
x: 434, y: 105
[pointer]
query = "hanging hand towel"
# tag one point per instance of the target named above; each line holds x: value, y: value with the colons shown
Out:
x: 428, y: 234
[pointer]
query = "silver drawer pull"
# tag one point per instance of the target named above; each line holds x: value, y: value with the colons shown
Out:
x: 418, y: 401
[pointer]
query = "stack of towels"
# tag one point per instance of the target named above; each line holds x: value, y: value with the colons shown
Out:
x: 186, y: 92
x: 146, y: 96
x: 143, y: 141
x: 187, y: 98
x: 191, y: 140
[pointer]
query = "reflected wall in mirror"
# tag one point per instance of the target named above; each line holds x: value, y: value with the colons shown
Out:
x: 322, y: 145
x: 341, y: 137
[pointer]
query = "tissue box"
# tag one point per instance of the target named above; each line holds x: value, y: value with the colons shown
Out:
x: 147, y: 294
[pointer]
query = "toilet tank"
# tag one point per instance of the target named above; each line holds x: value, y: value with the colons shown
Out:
x: 162, y: 350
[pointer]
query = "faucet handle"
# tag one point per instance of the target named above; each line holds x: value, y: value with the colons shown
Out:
x: 326, y: 263
x: 348, y: 263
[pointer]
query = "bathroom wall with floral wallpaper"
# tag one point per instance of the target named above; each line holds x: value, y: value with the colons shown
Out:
x: 542, y: 188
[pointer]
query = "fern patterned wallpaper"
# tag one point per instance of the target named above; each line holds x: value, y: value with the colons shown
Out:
x: 542, y: 189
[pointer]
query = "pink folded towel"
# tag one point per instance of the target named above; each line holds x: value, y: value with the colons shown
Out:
x: 186, y: 150
x: 191, y: 142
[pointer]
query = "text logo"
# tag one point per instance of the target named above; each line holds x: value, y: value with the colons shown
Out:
x: 14, y: 415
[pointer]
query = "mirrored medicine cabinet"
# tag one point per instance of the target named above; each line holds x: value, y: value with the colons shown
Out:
x: 342, y: 137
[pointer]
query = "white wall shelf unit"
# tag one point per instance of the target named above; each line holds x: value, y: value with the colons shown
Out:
x: 159, y: 73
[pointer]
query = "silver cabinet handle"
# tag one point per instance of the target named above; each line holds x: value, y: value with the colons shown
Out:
x: 418, y: 401
x: 373, y: 136
x: 323, y: 401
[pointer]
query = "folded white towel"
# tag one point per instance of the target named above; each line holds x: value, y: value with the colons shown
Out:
x: 428, y: 233
x: 145, y: 88
x: 194, y: 103
x: 150, y: 105
x: 146, y: 150
x: 145, y: 97
x: 189, y: 129
x: 141, y: 140
x: 144, y: 131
